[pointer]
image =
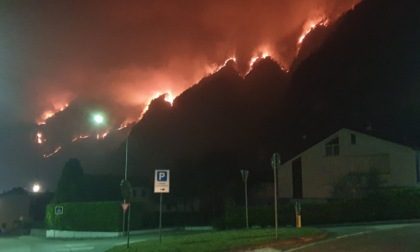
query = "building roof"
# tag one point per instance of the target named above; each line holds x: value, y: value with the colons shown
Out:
x: 312, y: 142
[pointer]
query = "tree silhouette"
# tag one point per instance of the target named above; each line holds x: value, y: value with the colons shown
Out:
x: 70, y: 187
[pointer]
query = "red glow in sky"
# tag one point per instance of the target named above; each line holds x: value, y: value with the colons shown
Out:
x: 119, y: 55
x: 125, y: 53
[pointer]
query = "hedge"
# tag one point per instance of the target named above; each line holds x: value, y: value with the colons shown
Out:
x: 380, y: 206
x: 92, y: 216
x: 108, y: 217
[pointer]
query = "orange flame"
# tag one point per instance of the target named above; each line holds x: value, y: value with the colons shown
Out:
x: 80, y: 137
x: 51, y: 112
x: 216, y: 68
x: 124, y: 124
x: 39, y: 138
x: 310, y: 25
x: 168, y: 98
x: 102, y: 136
x: 52, y: 153
x: 262, y: 52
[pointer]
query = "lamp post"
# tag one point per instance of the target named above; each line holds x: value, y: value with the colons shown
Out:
x: 275, y: 163
x: 245, y: 174
x: 130, y: 194
x: 36, y: 188
x: 99, y: 119
x: 127, y: 194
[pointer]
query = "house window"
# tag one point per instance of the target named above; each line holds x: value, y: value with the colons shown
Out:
x: 332, y: 148
x: 353, y: 138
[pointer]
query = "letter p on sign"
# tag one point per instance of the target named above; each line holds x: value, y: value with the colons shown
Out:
x: 162, y: 176
x: 161, y: 181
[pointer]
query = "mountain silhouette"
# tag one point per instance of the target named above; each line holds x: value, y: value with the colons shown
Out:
x: 362, y: 74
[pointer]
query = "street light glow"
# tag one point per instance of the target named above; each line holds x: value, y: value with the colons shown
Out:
x: 36, y: 188
x: 98, y: 118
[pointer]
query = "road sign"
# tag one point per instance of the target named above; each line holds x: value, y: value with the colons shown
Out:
x: 59, y: 210
x: 126, y: 190
x: 161, y: 181
x: 125, y: 206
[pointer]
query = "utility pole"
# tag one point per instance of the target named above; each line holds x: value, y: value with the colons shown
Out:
x: 245, y: 174
x: 275, y: 163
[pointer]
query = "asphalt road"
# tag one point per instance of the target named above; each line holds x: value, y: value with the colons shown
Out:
x: 390, y: 237
x: 393, y: 237
x: 41, y: 244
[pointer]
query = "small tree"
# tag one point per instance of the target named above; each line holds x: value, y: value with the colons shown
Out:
x: 70, y: 187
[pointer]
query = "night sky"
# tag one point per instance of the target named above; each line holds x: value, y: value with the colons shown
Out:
x: 115, y: 56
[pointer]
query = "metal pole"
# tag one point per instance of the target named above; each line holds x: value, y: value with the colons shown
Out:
x: 275, y: 202
x: 275, y: 163
x: 245, y: 174
x: 123, y: 227
x: 246, y: 204
x: 125, y: 178
x: 128, y: 227
x: 160, y: 219
x: 126, y: 158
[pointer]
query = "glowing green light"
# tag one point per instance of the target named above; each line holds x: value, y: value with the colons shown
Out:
x: 98, y: 118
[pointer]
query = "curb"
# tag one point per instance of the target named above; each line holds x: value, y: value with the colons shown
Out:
x: 273, y: 245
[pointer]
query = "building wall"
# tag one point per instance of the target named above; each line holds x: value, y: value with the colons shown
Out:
x: 396, y: 164
x: 14, y: 209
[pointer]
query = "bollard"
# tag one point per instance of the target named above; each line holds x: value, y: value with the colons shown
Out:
x: 298, y: 215
x: 298, y: 221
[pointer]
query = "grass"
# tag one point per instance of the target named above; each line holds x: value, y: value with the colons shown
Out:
x: 218, y: 240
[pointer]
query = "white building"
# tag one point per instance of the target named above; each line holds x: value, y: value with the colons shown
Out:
x: 313, y: 173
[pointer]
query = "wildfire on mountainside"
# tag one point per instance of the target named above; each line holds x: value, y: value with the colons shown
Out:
x: 121, y: 85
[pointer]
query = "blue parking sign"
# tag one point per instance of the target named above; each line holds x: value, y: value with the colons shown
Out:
x: 162, y: 176
x: 161, y: 181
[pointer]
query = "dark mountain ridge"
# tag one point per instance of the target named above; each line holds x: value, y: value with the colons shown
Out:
x: 364, y: 76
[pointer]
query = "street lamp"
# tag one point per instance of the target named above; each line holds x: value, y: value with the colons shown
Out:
x: 129, y: 194
x: 36, y: 188
x: 275, y: 163
x: 245, y: 174
x: 98, y: 118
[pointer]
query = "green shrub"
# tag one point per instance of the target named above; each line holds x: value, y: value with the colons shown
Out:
x: 86, y: 216
x: 382, y: 205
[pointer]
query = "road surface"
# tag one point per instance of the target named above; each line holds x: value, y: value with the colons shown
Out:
x: 41, y: 244
x: 393, y: 237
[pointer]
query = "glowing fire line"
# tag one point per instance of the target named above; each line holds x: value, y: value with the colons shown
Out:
x: 169, y: 97
x: 50, y: 113
x: 52, y: 153
x: 310, y: 26
x: 39, y: 138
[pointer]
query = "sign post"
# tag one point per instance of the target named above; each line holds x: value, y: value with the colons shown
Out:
x: 245, y: 174
x: 161, y: 186
x: 127, y: 193
x: 275, y: 163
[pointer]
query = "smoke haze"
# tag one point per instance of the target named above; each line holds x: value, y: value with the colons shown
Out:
x: 123, y: 53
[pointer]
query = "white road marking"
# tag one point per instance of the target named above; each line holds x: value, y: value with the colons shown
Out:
x: 74, y: 247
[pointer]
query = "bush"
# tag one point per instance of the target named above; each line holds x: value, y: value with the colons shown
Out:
x: 108, y: 217
x: 87, y: 216
x: 176, y: 219
x: 383, y: 205
x: 259, y: 216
